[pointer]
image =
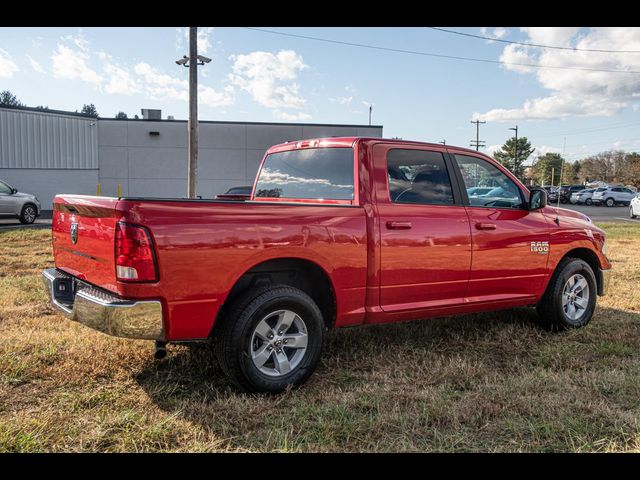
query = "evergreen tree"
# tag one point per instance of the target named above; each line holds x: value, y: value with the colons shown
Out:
x: 507, y: 155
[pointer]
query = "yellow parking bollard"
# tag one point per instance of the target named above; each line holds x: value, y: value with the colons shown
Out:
x: 98, y: 189
x: 119, y: 191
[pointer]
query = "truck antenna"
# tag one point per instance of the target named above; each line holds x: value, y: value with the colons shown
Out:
x: 564, y: 144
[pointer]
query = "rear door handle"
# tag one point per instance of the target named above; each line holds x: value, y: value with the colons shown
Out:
x: 485, y: 226
x: 399, y: 225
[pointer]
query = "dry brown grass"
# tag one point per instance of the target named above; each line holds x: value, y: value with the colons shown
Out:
x: 490, y: 382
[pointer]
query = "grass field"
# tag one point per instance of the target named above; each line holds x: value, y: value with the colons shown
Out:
x: 488, y: 382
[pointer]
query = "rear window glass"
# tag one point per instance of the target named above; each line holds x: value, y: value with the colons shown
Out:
x: 314, y: 173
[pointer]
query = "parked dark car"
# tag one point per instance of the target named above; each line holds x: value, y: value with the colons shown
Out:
x: 567, y: 190
x: 236, y: 193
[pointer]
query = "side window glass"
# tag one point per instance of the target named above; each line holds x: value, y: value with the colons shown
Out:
x: 486, y: 185
x: 418, y: 176
x: 4, y: 188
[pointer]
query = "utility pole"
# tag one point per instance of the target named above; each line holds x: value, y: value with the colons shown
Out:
x: 515, y: 161
x: 370, y: 109
x: 192, y: 170
x: 192, y: 61
x: 478, y: 143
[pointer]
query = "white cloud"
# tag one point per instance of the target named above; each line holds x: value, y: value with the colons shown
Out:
x: 7, y: 66
x: 342, y: 100
x: 36, y: 66
x: 212, y: 98
x: 160, y: 86
x: 72, y: 64
x: 544, y: 149
x: 120, y: 81
x: 291, y: 117
x: 268, y: 77
x: 491, y: 149
x: 500, y: 32
x: 574, y: 92
x: 203, y: 38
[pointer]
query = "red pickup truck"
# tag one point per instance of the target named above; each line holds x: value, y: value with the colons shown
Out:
x: 337, y: 232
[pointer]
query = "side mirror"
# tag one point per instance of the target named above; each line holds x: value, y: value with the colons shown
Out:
x: 537, y: 199
x: 14, y: 191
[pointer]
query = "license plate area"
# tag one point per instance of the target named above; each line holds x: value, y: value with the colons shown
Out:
x: 64, y: 291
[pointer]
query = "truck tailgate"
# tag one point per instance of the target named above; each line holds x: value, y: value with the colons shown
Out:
x: 83, y: 235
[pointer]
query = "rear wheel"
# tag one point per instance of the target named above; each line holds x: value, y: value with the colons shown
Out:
x: 269, y: 339
x: 588, y: 201
x: 28, y: 214
x: 610, y: 202
x: 570, y: 298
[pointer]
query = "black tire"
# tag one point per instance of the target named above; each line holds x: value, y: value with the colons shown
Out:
x: 609, y: 202
x: 631, y: 214
x: 28, y: 214
x: 588, y: 201
x: 233, y: 337
x: 551, y: 313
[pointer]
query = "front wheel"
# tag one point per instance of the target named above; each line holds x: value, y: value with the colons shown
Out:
x: 269, y: 339
x: 610, y: 202
x: 631, y: 214
x: 588, y: 201
x: 570, y: 298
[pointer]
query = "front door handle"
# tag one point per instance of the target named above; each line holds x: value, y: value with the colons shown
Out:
x: 399, y: 225
x: 485, y: 226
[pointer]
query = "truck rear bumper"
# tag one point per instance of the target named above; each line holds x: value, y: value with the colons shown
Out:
x: 103, y: 311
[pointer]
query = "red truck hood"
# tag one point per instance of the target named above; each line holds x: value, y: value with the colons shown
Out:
x: 564, y: 213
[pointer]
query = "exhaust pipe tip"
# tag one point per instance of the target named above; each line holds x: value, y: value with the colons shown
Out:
x: 161, y: 351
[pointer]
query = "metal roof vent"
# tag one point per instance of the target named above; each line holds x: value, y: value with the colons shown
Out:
x: 149, y: 114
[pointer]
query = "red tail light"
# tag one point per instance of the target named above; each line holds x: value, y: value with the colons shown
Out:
x: 135, y: 259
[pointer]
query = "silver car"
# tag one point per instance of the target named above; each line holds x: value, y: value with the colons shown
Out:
x: 583, y: 196
x: 24, y: 206
x: 611, y: 196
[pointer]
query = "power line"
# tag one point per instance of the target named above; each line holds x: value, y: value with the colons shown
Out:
x: 428, y: 54
x: 595, y: 50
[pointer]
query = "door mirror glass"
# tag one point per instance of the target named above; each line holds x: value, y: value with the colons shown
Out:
x: 538, y: 199
x: 14, y: 190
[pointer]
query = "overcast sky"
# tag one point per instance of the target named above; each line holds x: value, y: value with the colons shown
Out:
x: 260, y: 76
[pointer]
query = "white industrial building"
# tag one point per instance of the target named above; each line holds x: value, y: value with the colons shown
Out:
x: 50, y: 152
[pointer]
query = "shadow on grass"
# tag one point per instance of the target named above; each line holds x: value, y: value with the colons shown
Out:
x: 425, y: 366
x: 192, y: 371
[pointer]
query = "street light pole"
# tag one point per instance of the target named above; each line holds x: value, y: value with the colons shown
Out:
x: 515, y: 161
x: 192, y: 169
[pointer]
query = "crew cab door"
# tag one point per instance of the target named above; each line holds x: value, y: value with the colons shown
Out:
x: 510, y: 243
x: 425, y: 252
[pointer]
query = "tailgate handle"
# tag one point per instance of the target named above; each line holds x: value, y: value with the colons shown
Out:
x: 485, y: 226
x: 399, y: 225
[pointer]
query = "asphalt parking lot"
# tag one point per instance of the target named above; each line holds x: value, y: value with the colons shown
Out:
x: 43, y: 221
x: 603, y: 214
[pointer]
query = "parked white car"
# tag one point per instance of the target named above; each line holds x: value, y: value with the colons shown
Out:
x: 613, y: 196
x: 583, y: 196
x: 634, y: 207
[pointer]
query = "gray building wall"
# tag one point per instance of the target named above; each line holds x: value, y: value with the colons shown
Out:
x: 229, y: 154
x: 48, y: 153
x: 43, y: 153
